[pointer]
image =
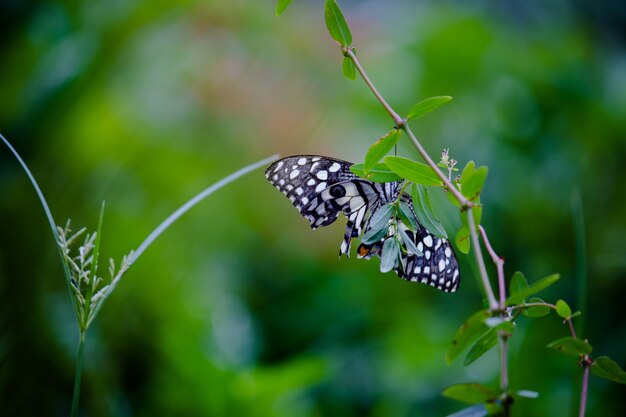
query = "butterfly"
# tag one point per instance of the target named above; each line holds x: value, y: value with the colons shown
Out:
x: 321, y: 188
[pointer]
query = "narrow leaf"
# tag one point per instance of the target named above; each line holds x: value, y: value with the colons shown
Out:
x: 390, y: 254
x: 486, y: 342
x: 378, y: 224
x: 571, y: 346
x: 426, y: 106
x: 470, y: 393
x: 478, y: 410
x: 336, y: 23
x: 606, y: 368
x: 380, y: 173
x: 412, y: 171
x: 281, y: 6
x: 563, y: 309
x: 467, y: 333
x: 424, y: 212
x: 409, y: 244
x: 462, y: 240
x: 380, y: 148
x: 536, y: 311
x: 348, y: 68
x: 407, y: 215
x: 532, y: 289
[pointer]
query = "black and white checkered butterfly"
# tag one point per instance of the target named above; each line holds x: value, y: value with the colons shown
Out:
x: 321, y: 187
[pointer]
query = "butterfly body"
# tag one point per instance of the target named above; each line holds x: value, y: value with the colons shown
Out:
x: 321, y: 187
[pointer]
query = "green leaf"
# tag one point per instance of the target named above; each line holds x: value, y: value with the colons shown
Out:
x: 606, y: 368
x: 563, y: 310
x: 467, y: 333
x: 462, y: 240
x: 407, y: 215
x: 348, y: 68
x: 478, y: 410
x: 486, y: 342
x: 380, y: 173
x: 380, y: 148
x: 410, y: 245
x: 378, y: 224
x: 426, y: 106
x: 518, y: 283
x: 390, y: 255
x: 532, y: 289
x: 571, y: 346
x: 477, y: 211
x: 471, y: 393
x: 336, y: 23
x: 412, y: 171
x: 472, y: 180
x: 536, y: 311
x: 281, y: 6
x: 424, y: 212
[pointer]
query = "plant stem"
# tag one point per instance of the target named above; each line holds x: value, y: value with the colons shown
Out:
x: 499, y: 263
x: 79, y: 373
x: 493, y: 304
x: 584, y: 388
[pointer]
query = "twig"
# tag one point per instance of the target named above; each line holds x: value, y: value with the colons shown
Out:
x: 499, y: 263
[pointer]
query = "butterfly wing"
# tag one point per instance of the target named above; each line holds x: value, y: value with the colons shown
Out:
x: 321, y: 188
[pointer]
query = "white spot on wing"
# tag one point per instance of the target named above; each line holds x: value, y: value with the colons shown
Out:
x: 294, y: 174
x: 334, y: 167
x: 442, y: 265
x: 321, y: 186
x: 279, y: 166
x: 428, y: 241
x: 305, y: 201
x: 448, y: 252
x: 322, y: 175
x: 310, y: 182
x: 301, y: 161
x: 299, y: 191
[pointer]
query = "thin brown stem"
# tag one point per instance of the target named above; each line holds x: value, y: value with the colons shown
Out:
x: 499, y: 263
x: 584, y: 388
x: 493, y: 304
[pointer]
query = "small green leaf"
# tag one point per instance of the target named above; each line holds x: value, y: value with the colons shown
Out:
x: 571, y: 346
x: 348, y: 68
x: 426, y: 106
x: 380, y: 148
x: 527, y: 394
x: 518, y: 283
x: 407, y: 215
x: 562, y: 309
x: 467, y: 333
x: 412, y: 171
x: 424, y: 211
x: 576, y: 314
x: 473, y: 180
x: 281, y: 6
x: 462, y: 240
x: 486, y: 342
x: 380, y: 173
x: 378, y: 224
x: 532, y: 289
x: 478, y: 410
x: 536, y: 311
x: 470, y: 393
x: 606, y: 368
x: 390, y: 255
x: 336, y: 23
x: 410, y: 245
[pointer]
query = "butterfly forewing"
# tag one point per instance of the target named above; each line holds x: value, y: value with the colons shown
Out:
x: 321, y: 187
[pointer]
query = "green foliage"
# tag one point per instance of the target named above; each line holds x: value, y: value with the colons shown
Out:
x: 412, y: 171
x: 426, y: 106
x: 390, y: 255
x: 536, y: 311
x: 336, y: 23
x: 563, y: 309
x: 571, y: 346
x: 538, y: 286
x: 473, y: 180
x: 424, y: 211
x: 462, y: 240
x: 606, y: 368
x: 380, y: 173
x: 471, y: 393
x: 467, y: 333
x: 380, y: 148
x: 407, y: 216
x: 483, y: 345
x: 378, y: 224
x: 348, y: 68
x: 281, y: 5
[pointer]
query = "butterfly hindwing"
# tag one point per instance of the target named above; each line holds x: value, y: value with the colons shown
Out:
x: 321, y: 187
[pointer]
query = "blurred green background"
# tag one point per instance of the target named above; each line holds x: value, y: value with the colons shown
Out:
x: 241, y: 309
